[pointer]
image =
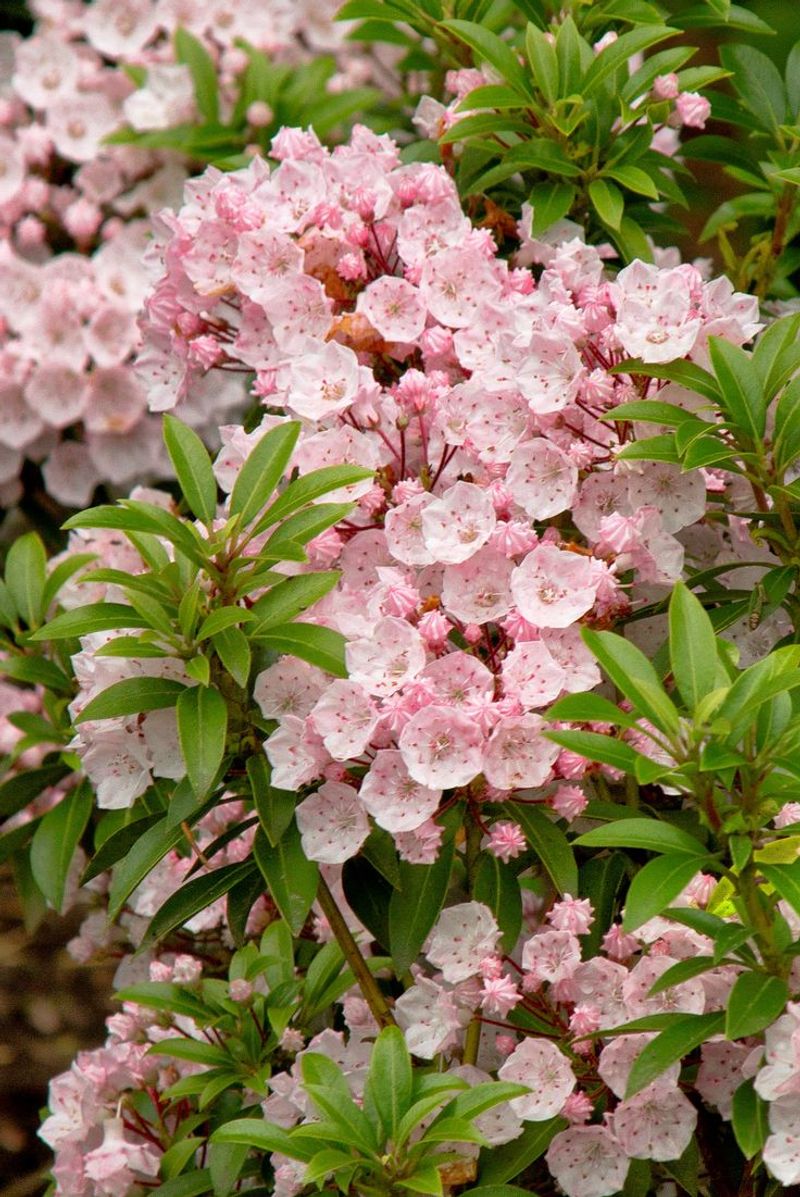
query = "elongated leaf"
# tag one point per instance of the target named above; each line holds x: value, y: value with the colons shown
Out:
x: 414, y: 908
x: 118, y: 845
x: 194, y: 896
x: 262, y: 471
x: 26, y: 569
x: 742, y: 393
x: 491, y: 49
x: 368, y: 894
x: 589, y: 708
x: 618, y: 53
x: 632, y: 674
x: 499, y: 1164
x: 319, y: 646
x: 758, y: 82
x: 143, y: 856
x: 497, y: 887
x: 388, y: 1086
x: 132, y: 515
x: 754, y: 1003
x: 20, y: 789
x: 263, y: 1136
x: 192, y: 466
x: 191, y: 1184
x: 275, y: 807
x: 692, y: 646
x: 55, y: 840
x: 290, y: 877
x: 193, y: 53
x: 595, y: 747
x: 550, y: 845
x: 132, y: 696
x: 786, y: 880
x: 543, y: 62
x: 305, y: 490
x: 94, y: 617
x: 202, y: 731
x: 654, y: 835
x: 607, y: 201
x: 656, y: 885
x: 750, y: 1120
x: 289, y: 598
x: 685, y: 1034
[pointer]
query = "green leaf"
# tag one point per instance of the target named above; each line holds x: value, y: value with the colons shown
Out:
x: 233, y: 649
x: 132, y: 696
x: 225, y: 1162
x: 491, y: 49
x: 685, y: 1034
x: 319, y: 646
x: 684, y: 970
x: 202, y: 731
x: 194, y: 896
x: 388, y: 1086
x: 325, y: 1084
x: 275, y: 808
x: 758, y: 82
x: 25, y: 575
x: 22, y: 788
x: 634, y: 178
x: 607, y: 201
x: 692, y: 646
x: 742, y: 393
x: 653, y: 835
x: 750, y: 1120
x: 290, y: 877
x: 632, y: 674
x: 686, y: 374
x: 193, y: 470
x: 550, y: 201
x: 550, y: 845
x: 262, y: 471
x: 38, y: 672
x: 94, y: 617
x: 414, y: 908
x: 55, y: 840
x: 656, y: 885
x: 132, y: 515
x: 192, y: 53
x: 145, y: 854
x: 543, y: 61
x: 368, y: 893
x: 755, y: 1001
x: 595, y: 747
x: 786, y: 880
x: 589, y: 708
x: 305, y: 490
x: 616, y: 56
x: 290, y: 597
x: 426, y: 1179
x: 263, y: 1136
x: 191, y: 1184
x: 497, y: 887
x: 118, y: 845
x: 499, y: 1164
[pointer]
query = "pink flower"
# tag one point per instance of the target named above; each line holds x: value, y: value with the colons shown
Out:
x: 553, y: 588
x: 540, y: 1065
x: 572, y: 914
x: 506, y: 841
x: 499, y: 995
x: 461, y: 939
x: 587, y: 1161
x: 441, y: 748
x: 692, y: 110
x: 392, y: 797
x: 333, y: 824
x: 568, y: 802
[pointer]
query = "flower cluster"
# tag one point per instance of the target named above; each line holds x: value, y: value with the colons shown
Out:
x: 366, y: 304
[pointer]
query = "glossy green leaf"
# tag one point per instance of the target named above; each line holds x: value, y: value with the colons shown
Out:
x: 653, y: 835
x: 750, y: 1120
x: 262, y: 471
x: 657, y: 884
x: 192, y: 467
x: 503, y: 1163
x: 742, y: 392
x: 632, y: 674
x: 193, y: 53
x: 497, y: 887
x: 680, y: 1038
x: 387, y: 1089
x: 55, y: 840
x: 290, y: 597
x: 25, y: 574
x: 291, y: 878
x: 754, y: 1003
x: 414, y: 908
x: 202, y: 731
x: 275, y: 807
x: 607, y: 201
x: 550, y: 845
x: 194, y: 896
x: 132, y: 696
x: 318, y: 645
x: 692, y: 646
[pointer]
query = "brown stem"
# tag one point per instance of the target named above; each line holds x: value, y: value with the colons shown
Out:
x: 352, y: 954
